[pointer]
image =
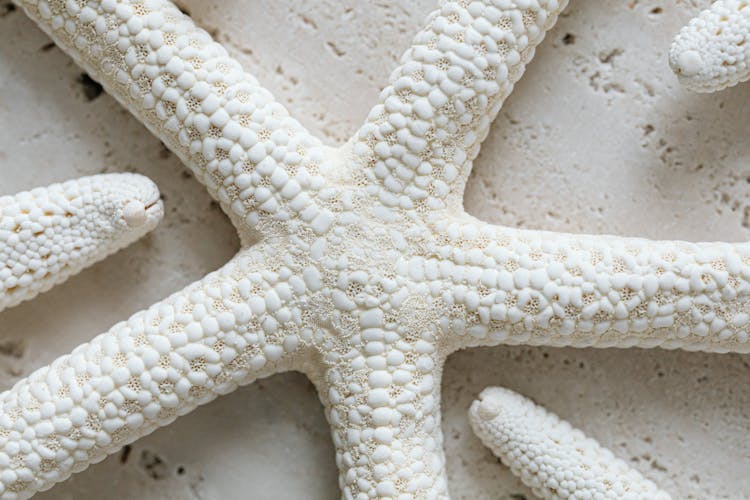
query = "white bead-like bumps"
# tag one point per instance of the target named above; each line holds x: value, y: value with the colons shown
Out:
x: 134, y: 213
x: 713, y: 51
x: 551, y: 457
x: 369, y: 272
x: 49, y: 234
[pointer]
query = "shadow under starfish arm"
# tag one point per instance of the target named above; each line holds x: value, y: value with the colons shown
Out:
x: 543, y: 288
x: 551, y: 457
x: 49, y: 234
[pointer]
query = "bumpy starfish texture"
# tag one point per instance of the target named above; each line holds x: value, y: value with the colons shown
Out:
x: 49, y: 234
x: 713, y: 51
x: 367, y: 273
x: 551, y: 457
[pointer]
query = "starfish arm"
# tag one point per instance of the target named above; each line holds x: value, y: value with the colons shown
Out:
x: 235, y: 137
x: 513, y: 286
x: 228, y: 329
x: 711, y: 53
x: 551, y: 457
x: 49, y: 234
x: 384, y: 410
x: 420, y: 139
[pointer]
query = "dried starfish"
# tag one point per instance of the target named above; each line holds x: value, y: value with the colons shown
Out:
x: 551, y: 457
x: 366, y: 273
x: 713, y: 51
x: 49, y: 234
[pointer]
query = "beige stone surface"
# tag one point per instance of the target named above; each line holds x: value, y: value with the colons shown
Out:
x: 597, y: 137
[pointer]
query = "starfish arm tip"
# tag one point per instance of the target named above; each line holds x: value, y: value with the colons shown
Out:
x: 550, y: 456
x: 49, y: 234
x: 711, y: 52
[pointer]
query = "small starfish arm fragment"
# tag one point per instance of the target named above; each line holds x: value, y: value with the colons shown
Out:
x: 49, y: 234
x: 713, y: 51
x: 551, y: 457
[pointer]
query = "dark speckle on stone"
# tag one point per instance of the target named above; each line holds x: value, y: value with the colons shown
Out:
x: 125, y: 454
x: 91, y: 89
x: 48, y: 46
x: 153, y: 465
x: 12, y: 348
x: 569, y: 39
x: 7, y: 8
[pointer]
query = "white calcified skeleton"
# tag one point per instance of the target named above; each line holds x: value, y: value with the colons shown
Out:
x: 49, y: 234
x: 551, y: 457
x: 367, y: 273
x: 713, y: 51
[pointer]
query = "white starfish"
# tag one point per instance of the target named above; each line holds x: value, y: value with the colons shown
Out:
x: 551, y: 457
x: 713, y: 51
x: 367, y: 273
x: 49, y: 234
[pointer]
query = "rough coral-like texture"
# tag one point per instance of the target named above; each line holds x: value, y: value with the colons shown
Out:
x: 712, y: 52
x: 368, y: 273
x: 421, y: 139
x: 49, y: 234
x: 551, y: 457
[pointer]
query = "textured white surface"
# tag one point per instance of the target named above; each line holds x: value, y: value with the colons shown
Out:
x: 553, y: 458
x: 661, y: 164
x: 711, y: 52
x: 50, y: 233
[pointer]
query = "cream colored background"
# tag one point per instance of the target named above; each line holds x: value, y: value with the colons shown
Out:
x: 597, y: 138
